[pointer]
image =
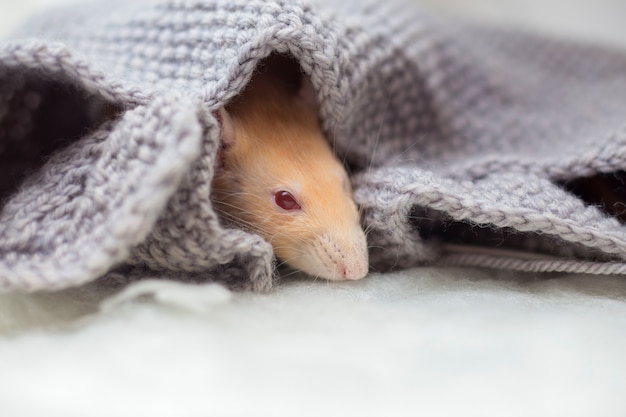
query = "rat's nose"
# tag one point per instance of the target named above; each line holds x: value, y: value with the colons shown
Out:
x: 355, y: 270
x: 354, y: 263
x: 340, y: 257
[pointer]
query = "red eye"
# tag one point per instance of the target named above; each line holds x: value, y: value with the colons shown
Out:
x: 286, y: 201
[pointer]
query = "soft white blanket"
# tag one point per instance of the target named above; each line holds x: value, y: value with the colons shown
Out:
x: 423, y: 342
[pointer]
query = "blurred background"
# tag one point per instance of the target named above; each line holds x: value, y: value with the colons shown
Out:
x: 595, y: 20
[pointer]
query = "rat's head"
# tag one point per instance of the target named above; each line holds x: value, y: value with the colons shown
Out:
x: 280, y: 179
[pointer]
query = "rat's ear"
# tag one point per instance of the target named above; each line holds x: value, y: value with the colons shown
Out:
x: 228, y: 126
x: 307, y: 93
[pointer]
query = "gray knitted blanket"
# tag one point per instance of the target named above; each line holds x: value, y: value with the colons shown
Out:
x: 468, y: 145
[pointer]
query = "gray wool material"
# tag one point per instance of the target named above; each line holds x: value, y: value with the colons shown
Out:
x: 460, y: 137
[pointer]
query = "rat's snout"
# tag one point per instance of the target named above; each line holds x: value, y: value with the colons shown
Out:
x: 352, y: 270
x: 342, y: 257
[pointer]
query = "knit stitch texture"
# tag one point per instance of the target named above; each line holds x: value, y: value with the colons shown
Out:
x: 446, y: 126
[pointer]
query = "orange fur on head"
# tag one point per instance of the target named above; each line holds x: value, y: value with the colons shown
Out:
x: 273, y: 142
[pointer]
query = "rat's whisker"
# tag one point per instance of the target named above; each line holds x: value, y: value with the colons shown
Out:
x: 377, y: 137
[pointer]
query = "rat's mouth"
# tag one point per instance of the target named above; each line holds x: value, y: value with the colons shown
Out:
x: 335, y: 259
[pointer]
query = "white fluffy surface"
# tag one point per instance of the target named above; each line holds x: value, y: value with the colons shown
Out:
x: 422, y: 342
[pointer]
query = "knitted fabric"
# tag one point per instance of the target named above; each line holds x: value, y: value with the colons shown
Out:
x: 445, y: 125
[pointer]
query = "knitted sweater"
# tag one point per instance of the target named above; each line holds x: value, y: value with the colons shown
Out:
x: 460, y: 139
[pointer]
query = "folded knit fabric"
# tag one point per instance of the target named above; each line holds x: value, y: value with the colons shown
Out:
x: 460, y: 138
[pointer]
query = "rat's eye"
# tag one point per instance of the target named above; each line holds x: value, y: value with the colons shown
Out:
x: 286, y: 201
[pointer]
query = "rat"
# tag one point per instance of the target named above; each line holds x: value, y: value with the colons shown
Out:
x: 277, y: 176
